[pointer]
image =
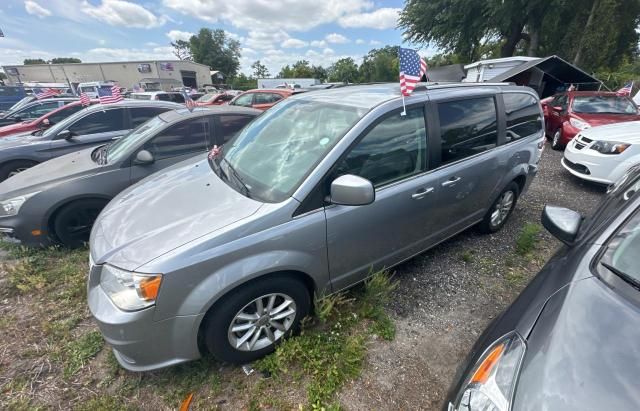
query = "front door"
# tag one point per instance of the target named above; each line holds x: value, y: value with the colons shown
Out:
x: 393, y: 156
x: 556, y: 117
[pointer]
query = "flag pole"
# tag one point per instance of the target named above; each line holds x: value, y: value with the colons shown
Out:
x: 404, y: 108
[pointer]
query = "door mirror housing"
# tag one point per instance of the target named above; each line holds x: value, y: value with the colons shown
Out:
x: 352, y: 190
x: 562, y: 223
x: 144, y: 157
x: 66, y: 134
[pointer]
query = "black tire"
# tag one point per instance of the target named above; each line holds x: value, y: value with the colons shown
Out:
x: 13, y: 167
x: 556, y: 140
x: 218, y: 321
x: 72, y: 223
x: 488, y: 225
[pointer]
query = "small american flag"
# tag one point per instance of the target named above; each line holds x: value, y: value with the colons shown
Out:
x: 108, y: 95
x: 625, y: 90
x: 412, y: 68
x: 46, y: 93
x: 84, y: 99
x: 215, y: 152
x: 188, y: 101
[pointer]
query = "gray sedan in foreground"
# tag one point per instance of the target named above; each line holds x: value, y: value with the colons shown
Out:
x: 570, y: 340
x: 57, y: 201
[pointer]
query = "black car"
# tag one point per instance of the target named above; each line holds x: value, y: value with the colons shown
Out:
x: 570, y: 341
x: 57, y: 201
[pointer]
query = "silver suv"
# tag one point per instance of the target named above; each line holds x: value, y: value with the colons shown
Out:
x: 312, y: 196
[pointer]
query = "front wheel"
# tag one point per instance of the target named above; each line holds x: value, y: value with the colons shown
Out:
x: 250, y: 321
x: 501, y: 209
x: 72, y: 223
x: 12, y: 168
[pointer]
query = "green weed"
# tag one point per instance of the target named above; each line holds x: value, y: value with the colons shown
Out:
x: 528, y: 238
x: 79, y: 351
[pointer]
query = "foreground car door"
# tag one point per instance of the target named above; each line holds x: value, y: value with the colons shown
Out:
x: 393, y: 156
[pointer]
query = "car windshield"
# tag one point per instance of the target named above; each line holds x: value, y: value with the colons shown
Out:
x: 121, y: 148
x: 603, y: 105
x: 208, y: 97
x: 274, y: 153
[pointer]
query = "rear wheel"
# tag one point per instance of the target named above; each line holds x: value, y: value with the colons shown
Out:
x: 556, y: 141
x: 501, y: 209
x: 251, y: 320
x: 14, y: 167
x: 72, y: 223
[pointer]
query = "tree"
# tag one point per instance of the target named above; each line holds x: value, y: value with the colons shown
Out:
x: 319, y: 73
x: 2, y: 76
x: 182, y: 50
x: 216, y: 50
x: 242, y: 82
x: 380, y: 65
x: 286, y: 72
x: 65, y: 60
x: 259, y: 70
x: 34, y: 61
x: 302, y: 69
x: 345, y: 70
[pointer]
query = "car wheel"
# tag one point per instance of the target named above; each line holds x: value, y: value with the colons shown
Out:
x: 500, y: 210
x: 250, y: 321
x: 72, y: 223
x: 14, y: 167
x: 556, y: 141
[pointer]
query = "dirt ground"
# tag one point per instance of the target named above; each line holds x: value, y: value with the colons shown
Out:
x: 51, y: 356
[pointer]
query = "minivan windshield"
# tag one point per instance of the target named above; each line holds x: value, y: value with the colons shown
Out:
x: 275, y: 152
x: 603, y: 105
x: 121, y: 148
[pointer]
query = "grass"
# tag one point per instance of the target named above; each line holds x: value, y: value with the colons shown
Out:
x: 467, y: 256
x: 528, y: 238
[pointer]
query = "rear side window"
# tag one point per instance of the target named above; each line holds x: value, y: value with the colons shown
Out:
x: 176, y: 97
x: 229, y: 125
x: 163, y: 97
x: 141, y: 114
x: 394, y: 149
x: 467, y: 127
x: 244, y: 100
x: 100, y: 122
x: 523, y: 115
x: 186, y: 137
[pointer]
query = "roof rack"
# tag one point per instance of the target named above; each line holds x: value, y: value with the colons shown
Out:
x: 449, y: 84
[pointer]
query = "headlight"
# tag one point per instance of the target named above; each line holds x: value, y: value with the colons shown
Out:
x: 11, y: 206
x: 491, y: 383
x: 579, y: 124
x: 609, y: 147
x: 130, y: 291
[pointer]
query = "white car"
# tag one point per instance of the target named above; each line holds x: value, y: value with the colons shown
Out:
x: 604, y: 154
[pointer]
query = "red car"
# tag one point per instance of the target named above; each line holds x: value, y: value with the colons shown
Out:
x: 567, y: 113
x: 214, y: 99
x: 262, y: 98
x: 45, y: 121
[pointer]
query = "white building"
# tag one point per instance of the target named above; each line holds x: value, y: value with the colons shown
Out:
x: 485, y: 70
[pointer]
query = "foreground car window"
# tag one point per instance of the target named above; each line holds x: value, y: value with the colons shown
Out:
x: 603, y: 105
x: 122, y: 147
x: 277, y: 150
x: 623, y: 250
x: 523, y: 115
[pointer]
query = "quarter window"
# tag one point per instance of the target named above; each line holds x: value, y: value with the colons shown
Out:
x: 100, y: 122
x: 229, y: 125
x: 189, y: 136
x: 467, y: 127
x: 394, y: 149
x: 523, y: 115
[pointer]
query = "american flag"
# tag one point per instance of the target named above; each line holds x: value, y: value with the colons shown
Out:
x: 108, y: 95
x: 412, y: 68
x: 625, y: 90
x: 188, y: 101
x: 84, y: 99
x: 215, y: 152
x: 46, y: 93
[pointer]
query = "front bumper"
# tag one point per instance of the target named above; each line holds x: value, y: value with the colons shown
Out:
x: 139, y: 342
x: 591, y: 165
x: 24, y: 230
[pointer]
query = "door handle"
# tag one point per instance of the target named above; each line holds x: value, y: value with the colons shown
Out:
x: 451, y: 181
x: 421, y: 193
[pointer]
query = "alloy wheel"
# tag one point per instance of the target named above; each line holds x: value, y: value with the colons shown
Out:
x: 262, y: 322
x: 502, y: 208
x: 16, y: 171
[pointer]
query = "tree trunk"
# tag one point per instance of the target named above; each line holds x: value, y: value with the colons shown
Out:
x: 534, y: 41
x: 514, y: 36
x: 578, y: 58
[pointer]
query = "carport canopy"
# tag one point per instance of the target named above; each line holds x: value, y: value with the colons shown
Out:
x: 549, y: 75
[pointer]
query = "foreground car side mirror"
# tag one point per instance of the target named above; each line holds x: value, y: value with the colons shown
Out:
x: 66, y: 134
x: 352, y: 190
x: 562, y: 223
x: 144, y: 157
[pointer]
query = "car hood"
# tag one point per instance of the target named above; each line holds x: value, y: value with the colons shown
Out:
x: 165, y: 211
x: 20, y: 139
x: 601, y: 119
x: 628, y: 132
x: 583, y: 353
x: 16, y: 128
x: 50, y: 173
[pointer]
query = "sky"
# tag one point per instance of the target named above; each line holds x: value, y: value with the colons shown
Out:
x: 276, y: 32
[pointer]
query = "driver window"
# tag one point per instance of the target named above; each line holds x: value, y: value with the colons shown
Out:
x: 393, y: 150
x: 183, y: 138
x: 244, y: 100
x: 624, y: 248
x: 99, y: 122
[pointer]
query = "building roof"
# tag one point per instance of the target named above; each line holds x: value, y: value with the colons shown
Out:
x: 553, y: 66
x: 500, y: 60
x: 106, y: 62
x: 451, y: 72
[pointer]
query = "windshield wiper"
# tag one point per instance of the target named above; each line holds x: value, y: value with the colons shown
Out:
x: 238, y: 179
x: 626, y: 277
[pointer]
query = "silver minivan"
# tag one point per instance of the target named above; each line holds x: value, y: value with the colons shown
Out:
x: 224, y: 253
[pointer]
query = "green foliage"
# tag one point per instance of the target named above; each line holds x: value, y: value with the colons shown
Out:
x: 528, y: 238
x: 259, y: 70
x: 182, y: 49
x: 65, y: 60
x: 380, y: 65
x: 76, y: 354
x: 345, y: 70
x: 103, y: 403
x: 34, y: 61
x: 242, y: 82
x: 216, y: 50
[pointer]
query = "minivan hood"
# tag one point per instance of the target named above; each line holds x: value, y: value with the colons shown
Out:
x: 628, y: 132
x: 583, y: 353
x: 165, y: 211
x: 50, y: 173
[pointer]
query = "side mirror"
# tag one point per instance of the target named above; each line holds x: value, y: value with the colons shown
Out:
x: 17, y: 119
x: 562, y: 223
x: 352, y: 190
x: 557, y: 108
x: 66, y: 134
x: 144, y: 157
